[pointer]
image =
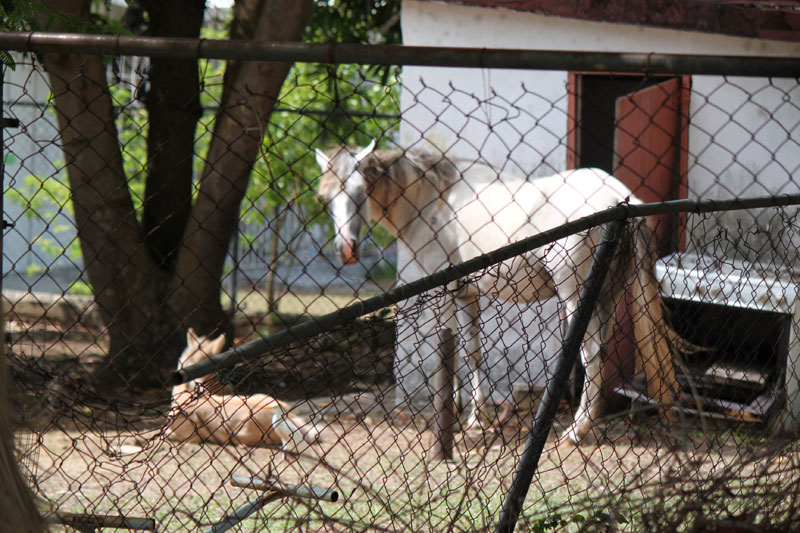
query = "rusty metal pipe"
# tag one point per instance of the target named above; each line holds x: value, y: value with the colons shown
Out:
x: 84, y: 521
x: 444, y: 401
x: 288, y: 489
x: 557, y: 384
x: 645, y: 63
x: 243, y: 512
x: 346, y: 315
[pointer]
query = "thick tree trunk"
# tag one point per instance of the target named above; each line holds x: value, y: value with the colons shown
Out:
x: 146, y: 305
x: 249, y: 96
x: 124, y: 279
x: 173, y: 105
x: 127, y: 285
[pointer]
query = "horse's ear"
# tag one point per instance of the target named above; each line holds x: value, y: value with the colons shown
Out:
x: 191, y: 338
x: 216, y: 346
x: 365, y: 152
x: 322, y: 160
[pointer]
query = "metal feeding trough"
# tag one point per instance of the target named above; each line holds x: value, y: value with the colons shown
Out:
x: 748, y: 317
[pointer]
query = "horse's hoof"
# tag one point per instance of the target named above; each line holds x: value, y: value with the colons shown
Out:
x: 474, y: 424
x: 571, y: 436
x: 312, y: 434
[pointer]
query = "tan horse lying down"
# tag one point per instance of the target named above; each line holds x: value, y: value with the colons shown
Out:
x: 205, y: 410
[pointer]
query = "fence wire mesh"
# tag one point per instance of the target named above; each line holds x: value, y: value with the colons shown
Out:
x: 134, y: 252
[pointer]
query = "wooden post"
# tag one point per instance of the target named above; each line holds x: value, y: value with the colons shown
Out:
x: 444, y: 402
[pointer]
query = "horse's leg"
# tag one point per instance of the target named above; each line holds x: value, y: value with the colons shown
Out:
x: 597, y: 334
x: 468, y: 316
x: 592, y: 365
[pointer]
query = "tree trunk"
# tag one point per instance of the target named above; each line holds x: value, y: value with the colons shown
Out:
x: 146, y: 305
x: 124, y: 279
x: 173, y: 106
x: 250, y: 92
x: 127, y: 285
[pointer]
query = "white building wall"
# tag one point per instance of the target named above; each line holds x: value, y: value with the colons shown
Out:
x: 744, y: 140
x: 517, y: 121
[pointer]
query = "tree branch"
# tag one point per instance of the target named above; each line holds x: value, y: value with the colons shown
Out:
x: 173, y: 105
x: 249, y: 96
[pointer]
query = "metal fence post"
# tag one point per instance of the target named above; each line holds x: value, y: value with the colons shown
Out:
x: 555, y: 387
x: 444, y: 401
x: 244, y: 512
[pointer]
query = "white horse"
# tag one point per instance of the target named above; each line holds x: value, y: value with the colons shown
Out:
x: 465, y: 209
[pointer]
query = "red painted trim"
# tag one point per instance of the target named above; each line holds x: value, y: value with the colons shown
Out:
x: 707, y: 16
x: 573, y: 111
x: 683, y: 155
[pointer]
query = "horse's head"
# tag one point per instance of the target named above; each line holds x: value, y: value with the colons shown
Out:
x: 344, y: 191
x: 198, y: 349
x: 406, y: 187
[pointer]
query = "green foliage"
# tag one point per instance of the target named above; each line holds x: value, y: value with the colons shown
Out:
x: 30, y: 15
x: 44, y: 199
x: 132, y: 126
x: 20, y: 15
x: 354, y: 21
x: 321, y: 106
x: 357, y: 21
x: 7, y: 60
x: 80, y: 288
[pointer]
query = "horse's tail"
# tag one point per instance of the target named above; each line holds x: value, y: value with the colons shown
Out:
x: 653, y: 336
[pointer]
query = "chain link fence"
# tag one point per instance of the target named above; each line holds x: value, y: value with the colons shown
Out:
x: 380, y: 365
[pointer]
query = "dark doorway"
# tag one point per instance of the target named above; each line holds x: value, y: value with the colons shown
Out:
x: 596, y: 121
x: 635, y: 128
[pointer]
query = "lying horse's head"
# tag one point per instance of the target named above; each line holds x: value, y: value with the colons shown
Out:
x: 343, y: 189
x: 198, y: 349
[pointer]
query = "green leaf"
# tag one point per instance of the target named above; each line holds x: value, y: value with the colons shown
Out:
x: 7, y: 60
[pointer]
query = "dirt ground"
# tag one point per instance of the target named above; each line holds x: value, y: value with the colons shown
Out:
x: 91, y: 457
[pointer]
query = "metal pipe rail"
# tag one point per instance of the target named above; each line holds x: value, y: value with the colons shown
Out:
x: 244, y: 512
x: 89, y: 523
x: 645, y: 63
x: 455, y: 272
x: 272, y: 489
x: 557, y: 384
x: 287, y: 489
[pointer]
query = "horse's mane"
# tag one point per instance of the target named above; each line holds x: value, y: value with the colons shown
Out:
x: 404, y: 166
x: 400, y: 166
